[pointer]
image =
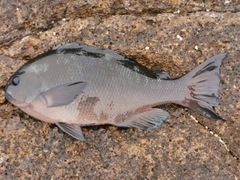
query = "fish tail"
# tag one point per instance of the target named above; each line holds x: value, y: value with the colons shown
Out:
x: 203, y: 84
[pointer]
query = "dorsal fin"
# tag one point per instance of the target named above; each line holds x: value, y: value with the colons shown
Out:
x: 113, y: 55
x: 132, y: 64
x: 162, y: 74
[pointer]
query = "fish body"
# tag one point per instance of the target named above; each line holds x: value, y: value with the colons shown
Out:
x: 76, y: 85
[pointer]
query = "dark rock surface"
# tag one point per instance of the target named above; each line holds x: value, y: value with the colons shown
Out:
x: 171, y: 35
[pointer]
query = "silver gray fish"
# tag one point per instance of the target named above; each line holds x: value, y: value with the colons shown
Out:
x: 76, y: 85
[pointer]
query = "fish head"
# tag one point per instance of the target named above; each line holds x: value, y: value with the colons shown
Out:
x: 23, y: 87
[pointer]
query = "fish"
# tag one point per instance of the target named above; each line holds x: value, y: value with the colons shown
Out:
x: 75, y: 85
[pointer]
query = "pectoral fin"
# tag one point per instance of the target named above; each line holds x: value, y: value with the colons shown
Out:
x: 147, y: 120
x: 63, y: 94
x: 73, y: 130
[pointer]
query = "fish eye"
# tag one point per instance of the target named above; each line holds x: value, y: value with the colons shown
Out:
x: 16, y: 80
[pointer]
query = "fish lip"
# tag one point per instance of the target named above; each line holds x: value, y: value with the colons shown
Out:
x: 14, y: 101
x: 8, y: 96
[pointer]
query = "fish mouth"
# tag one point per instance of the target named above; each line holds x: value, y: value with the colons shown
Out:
x: 14, y: 101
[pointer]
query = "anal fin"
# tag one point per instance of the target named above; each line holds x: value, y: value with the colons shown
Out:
x: 147, y: 120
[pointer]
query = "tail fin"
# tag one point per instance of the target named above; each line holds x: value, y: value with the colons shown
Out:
x: 203, y: 83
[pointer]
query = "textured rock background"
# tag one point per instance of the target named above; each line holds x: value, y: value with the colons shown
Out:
x: 171, y: 35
